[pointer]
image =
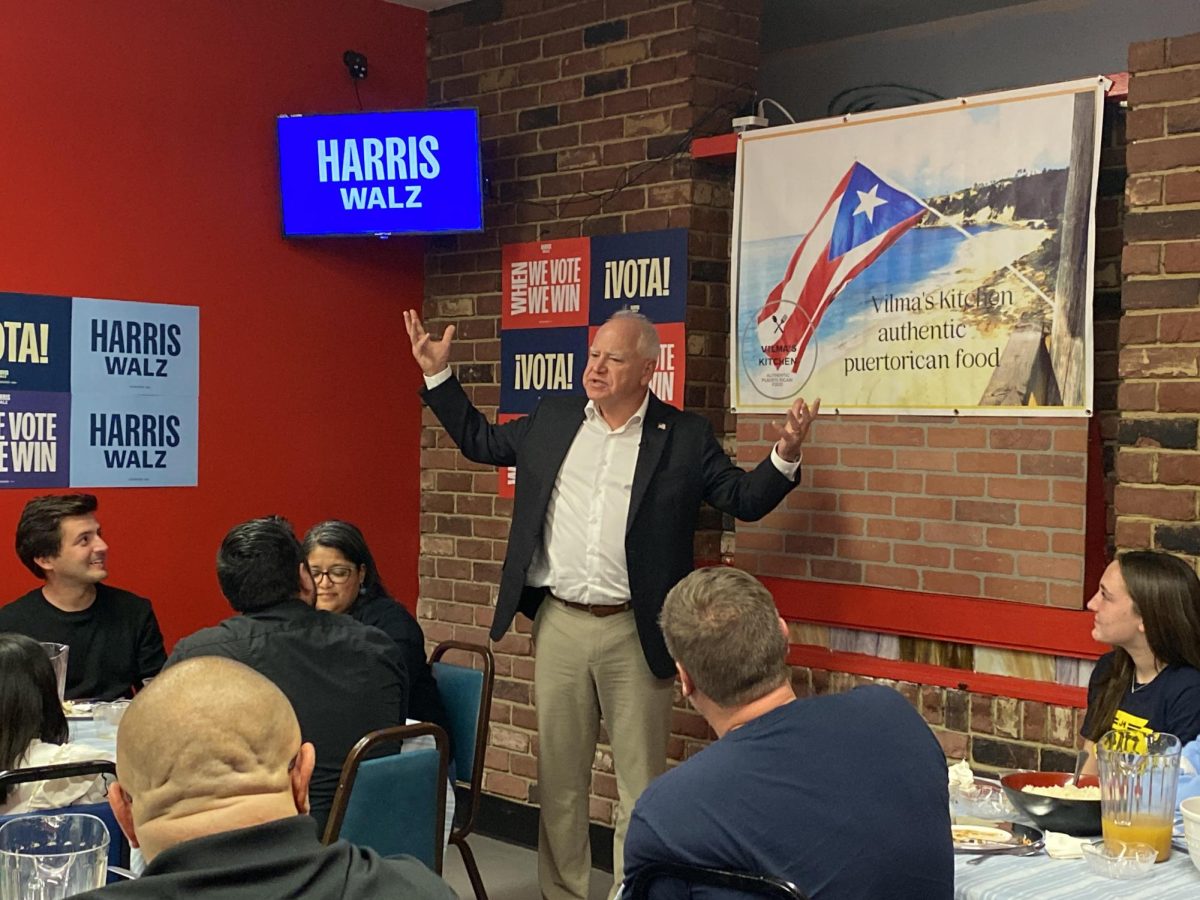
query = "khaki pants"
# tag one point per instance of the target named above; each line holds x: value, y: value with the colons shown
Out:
x: 586, y: 667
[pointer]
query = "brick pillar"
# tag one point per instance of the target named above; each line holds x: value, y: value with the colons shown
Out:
x: 1157, y: 464
x: 587, y: 110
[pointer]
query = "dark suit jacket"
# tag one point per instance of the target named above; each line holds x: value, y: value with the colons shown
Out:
x: 679, y: 464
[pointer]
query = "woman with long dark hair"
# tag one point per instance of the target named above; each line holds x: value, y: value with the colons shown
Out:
x: 1148, y: 608
x: 348, y: 581
x: 33, y: 731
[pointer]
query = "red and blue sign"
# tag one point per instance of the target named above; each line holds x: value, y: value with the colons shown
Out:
x: 557, y: 293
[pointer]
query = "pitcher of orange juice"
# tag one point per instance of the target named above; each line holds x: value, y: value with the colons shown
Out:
x: 1138, y: 776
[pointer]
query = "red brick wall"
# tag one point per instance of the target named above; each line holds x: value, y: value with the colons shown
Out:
x: 976, y: 508
x: 1157, y: 464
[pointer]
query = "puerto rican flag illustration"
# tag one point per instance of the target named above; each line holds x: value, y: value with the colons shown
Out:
x: 864, y: 216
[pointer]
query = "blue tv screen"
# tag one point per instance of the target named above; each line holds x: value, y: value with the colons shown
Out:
x: 380, y: 173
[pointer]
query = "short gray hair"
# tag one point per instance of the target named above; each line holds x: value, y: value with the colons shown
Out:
x: 721, y: 625
x: 648, y: 344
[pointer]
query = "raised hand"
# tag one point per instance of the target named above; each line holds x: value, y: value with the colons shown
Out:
x: 431, y: 355
x: 795, y: 427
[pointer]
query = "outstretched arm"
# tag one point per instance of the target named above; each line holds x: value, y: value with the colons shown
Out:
x: 431, y: 355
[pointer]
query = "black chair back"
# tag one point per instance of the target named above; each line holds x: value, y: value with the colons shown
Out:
x: 641, y: 886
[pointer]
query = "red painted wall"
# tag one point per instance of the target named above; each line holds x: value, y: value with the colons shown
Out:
x: 138, y: 156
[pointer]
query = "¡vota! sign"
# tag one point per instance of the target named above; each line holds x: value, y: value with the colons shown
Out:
x: 557, y: 293
x: 380, y: 173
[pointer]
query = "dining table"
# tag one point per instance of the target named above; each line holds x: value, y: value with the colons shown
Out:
x: 1040, y: 877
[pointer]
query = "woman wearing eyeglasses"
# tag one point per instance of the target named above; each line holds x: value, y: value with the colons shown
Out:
x: 348, y: 582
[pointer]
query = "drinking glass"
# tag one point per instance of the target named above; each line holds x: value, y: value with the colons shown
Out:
x: 108, y: 716
x: 1138, y: 776
x: 50, y: 857
x: 58, y: 661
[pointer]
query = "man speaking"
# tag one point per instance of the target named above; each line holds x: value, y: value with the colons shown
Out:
x: 608, y: 492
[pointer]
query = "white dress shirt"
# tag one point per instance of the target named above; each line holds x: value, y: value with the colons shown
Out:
x: 582, y: 557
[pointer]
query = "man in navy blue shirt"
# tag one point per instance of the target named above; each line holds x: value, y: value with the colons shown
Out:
x: 844, y: 795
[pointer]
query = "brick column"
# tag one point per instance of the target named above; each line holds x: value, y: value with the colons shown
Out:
x: 1157, y: 464
x: 588, y: 110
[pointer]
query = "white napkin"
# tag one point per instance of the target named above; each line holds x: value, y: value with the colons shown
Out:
x: 1063, y: 846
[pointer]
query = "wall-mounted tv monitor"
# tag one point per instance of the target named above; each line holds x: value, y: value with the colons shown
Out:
x: 380, y: 173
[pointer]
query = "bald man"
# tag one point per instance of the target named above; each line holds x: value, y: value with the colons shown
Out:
x: 212, y: 784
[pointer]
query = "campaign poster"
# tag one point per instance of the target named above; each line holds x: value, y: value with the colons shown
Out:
x: 134, y: 441
x: 645, y: 272
x: 545, y: 284
x: 540, y: 362
x: 35, y: 342
x: 124, y: 347
x: 557, y: 293
x: 35, y: 434
x: 920, y: 260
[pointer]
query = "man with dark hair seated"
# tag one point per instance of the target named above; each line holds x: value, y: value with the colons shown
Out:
x: 113, y: 636
x: 843, y: 795
x: 212, y: 784
x: 344, y: 679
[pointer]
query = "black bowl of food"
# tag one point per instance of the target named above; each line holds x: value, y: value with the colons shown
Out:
x: 1072, y: 809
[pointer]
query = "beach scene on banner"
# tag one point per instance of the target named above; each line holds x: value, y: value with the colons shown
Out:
x: 933, y: 259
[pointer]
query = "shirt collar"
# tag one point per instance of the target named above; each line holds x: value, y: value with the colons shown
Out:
x: 590, y: 412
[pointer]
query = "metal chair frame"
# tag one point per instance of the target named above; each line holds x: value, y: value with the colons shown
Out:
x: 471, y: 782
x: 363, y: 750
x: 745, y: 882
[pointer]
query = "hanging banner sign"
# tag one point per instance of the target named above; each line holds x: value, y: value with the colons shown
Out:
x: 920, y: 260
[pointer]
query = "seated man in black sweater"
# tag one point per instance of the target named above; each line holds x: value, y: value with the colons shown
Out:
x: 344, y: 679
x: 112, y: 634
x: 212, y: 785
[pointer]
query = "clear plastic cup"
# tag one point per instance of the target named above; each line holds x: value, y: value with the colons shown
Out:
x: 1138, y: 776
x: 108, y: 716
x: 58, y: 654
x: 50, y: 857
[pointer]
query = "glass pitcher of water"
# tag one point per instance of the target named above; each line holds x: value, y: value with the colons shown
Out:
x: 52, y: 857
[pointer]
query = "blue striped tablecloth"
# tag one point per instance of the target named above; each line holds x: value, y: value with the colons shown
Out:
x: 88, y: 733
x: 1042, y: 878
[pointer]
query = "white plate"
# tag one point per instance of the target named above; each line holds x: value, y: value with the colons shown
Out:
x: 79, y: 709
x: 1002, y: 837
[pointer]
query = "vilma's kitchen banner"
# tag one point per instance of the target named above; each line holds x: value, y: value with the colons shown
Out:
x: 97, y: 393
x: 557, y: 293
x: 935, y: 259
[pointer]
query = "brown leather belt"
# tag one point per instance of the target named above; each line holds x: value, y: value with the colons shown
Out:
x: 599, y: 610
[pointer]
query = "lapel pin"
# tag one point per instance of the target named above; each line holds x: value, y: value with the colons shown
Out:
x: 662, y: 426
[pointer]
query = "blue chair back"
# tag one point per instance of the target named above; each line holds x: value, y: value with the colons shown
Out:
x: 118, y: 845
x: 394, y: 804
x: 467, y: 698
x: 461, y: 690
